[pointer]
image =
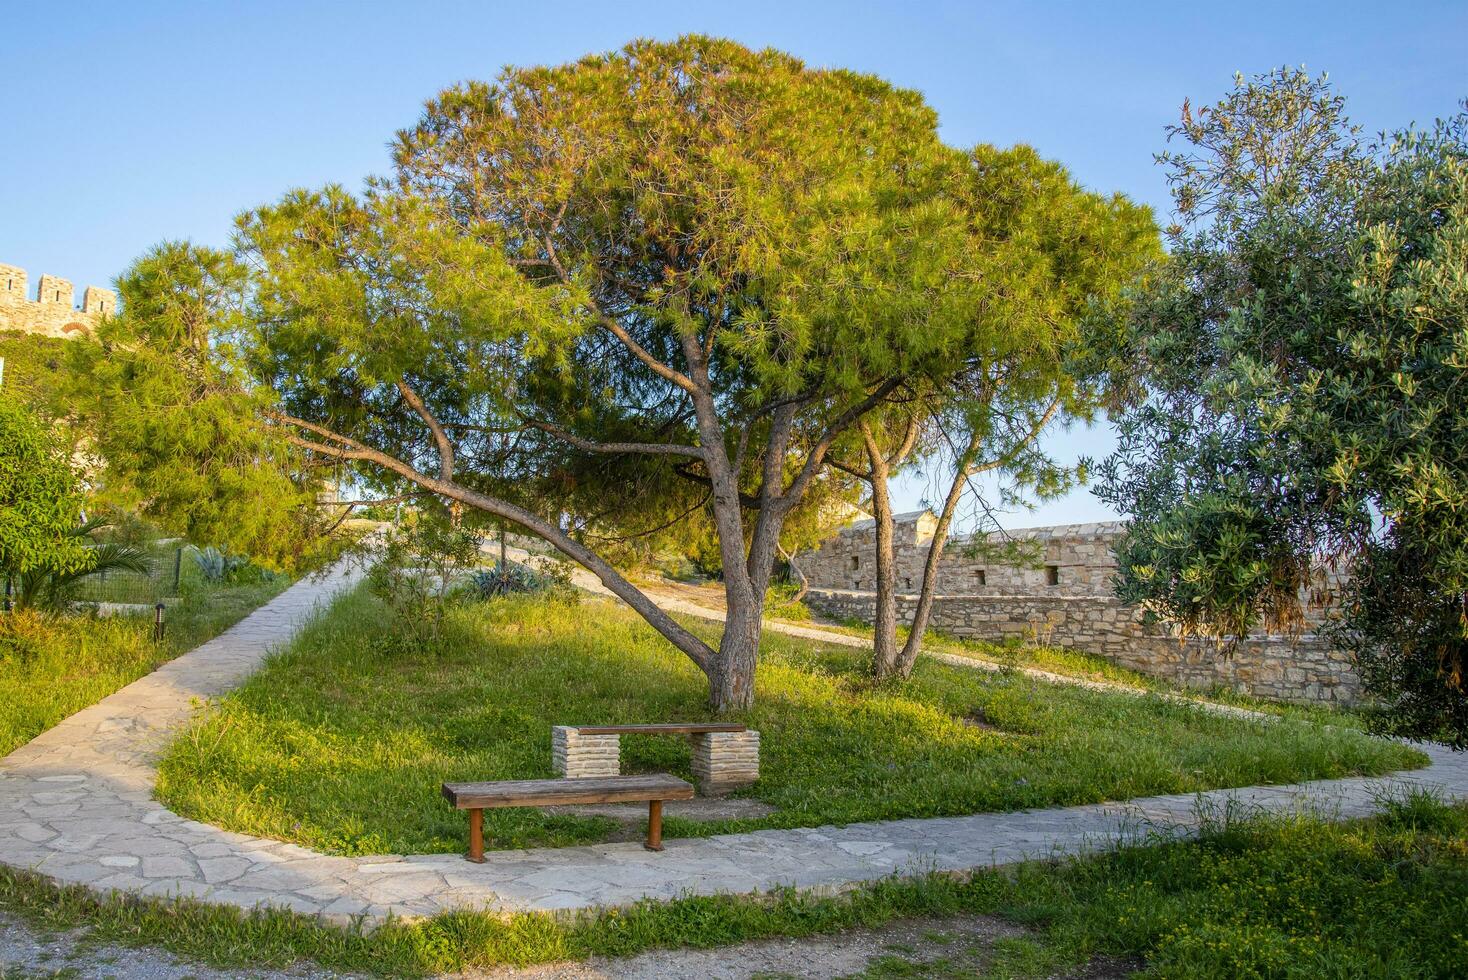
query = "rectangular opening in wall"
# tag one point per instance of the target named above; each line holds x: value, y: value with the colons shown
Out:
x: 1052, y: 574
x: 981, y: 577
x: 855, y: 562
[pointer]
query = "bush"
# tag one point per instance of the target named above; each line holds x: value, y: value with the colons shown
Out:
x: 414, y: 567
x: 216, y: 567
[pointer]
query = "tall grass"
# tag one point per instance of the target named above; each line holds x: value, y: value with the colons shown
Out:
x: 53, y: 666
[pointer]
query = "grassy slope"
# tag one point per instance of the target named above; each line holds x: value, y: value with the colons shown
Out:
x: 340, y: 743
x: 52, y: 668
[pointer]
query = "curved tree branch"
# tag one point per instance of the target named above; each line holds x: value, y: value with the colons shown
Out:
x: 817, y: 455
x: 440, y: 437
x: 647, y: 448
x: 696, y: 650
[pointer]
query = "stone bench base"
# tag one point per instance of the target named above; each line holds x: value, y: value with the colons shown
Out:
x: 578, y: 756
x: 725, y: 761
x: 722, y: 761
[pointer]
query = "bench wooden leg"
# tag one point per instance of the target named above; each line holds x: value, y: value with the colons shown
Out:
x: 476, y: 837
x: 654, y: 825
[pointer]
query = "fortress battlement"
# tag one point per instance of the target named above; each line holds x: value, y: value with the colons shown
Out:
x: 53, y: 311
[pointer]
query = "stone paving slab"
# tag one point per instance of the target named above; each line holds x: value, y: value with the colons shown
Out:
x: 76, y: 804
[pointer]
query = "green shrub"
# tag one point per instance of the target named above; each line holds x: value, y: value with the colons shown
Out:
x: 513, y: 578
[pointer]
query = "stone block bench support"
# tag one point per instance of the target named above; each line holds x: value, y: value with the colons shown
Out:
x: 577, y: 755
x: 725, y: 756
x: 478, y: 797
x: 725, y: 761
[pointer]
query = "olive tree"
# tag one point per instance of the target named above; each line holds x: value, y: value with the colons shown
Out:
x: 1292, y: 380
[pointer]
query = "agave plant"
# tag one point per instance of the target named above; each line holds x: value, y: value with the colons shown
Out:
x: 51, y: 590
x: 215, y: 565
x: 504, y: 579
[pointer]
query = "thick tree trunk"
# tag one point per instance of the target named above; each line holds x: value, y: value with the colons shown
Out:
x: 731, y: 671
x: 731, y: 686
x: 884, y: 624
x: 731, y: 683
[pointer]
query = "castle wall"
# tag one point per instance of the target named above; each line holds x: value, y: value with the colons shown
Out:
x: 1077, y: 557
x: 1067, y: 602
x: 53, y: 312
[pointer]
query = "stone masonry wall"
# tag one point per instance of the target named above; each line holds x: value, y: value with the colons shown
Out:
x: 1066, y: 602
x: 1073, y: 559
x: 53, y: 313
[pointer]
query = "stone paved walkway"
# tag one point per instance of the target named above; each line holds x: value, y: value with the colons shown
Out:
x: 76, y: 804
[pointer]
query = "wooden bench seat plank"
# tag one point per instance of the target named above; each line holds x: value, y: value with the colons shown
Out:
x: 691, y: 728
x: 554, y: 792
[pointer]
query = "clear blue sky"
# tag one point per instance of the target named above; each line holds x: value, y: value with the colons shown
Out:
x: 132, y: 122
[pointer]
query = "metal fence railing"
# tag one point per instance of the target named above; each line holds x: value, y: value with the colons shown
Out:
x: 171, y: 570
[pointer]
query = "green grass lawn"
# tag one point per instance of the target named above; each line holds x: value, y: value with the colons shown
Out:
x: 52, y: 667
x: 341, y: 741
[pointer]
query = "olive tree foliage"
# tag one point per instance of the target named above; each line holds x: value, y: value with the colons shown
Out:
x: 1293, y: 387
x: 40, y: 498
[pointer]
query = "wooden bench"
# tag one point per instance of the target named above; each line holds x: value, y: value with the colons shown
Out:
x: 478, y: 797
x: 725, y: 756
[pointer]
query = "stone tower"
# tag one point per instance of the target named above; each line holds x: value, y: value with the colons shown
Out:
x: 53, y: 312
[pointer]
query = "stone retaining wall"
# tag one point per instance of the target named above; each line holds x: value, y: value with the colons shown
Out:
x: 1302, y: 670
